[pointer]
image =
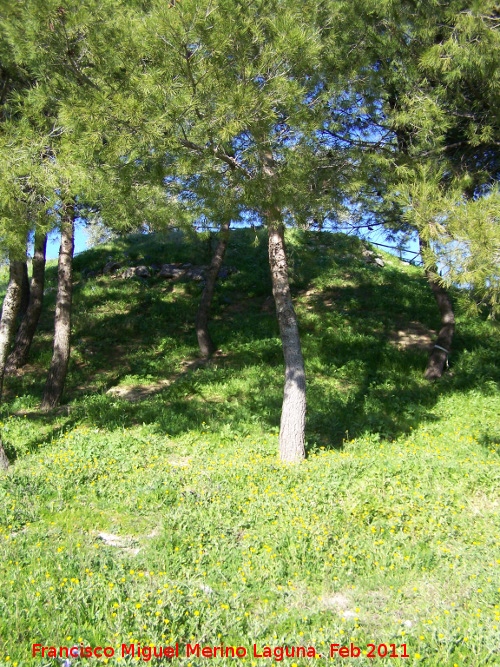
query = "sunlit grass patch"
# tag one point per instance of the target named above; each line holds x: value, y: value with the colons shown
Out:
x: 170, y: 519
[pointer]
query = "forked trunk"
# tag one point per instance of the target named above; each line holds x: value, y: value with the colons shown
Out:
x: 207, y: 347
x: 442, y: 347
x: 4, y: 461
x: 19, y: 355
x: 62, y: 320
x: 293, y: 414
x: 10, y: 310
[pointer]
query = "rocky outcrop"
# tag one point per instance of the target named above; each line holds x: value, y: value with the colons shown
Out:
x: 371, y: 258
x: 110, y: 267
x: 172, y: 271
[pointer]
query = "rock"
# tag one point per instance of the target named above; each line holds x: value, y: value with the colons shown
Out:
x: 110, y: 267
x: 226, y: 271
x: 196, y: 273
x: 88, y: 273
x: 370, y: 258
x: 127, y: 273
x: 118, y: 542
x: 186, y: 271
x: 142, y: 272
x: 171, y: 271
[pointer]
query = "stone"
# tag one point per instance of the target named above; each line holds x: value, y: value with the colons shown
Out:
x: 128, y: 273
x: 171, y: 271
x: 379, y: 261
x: 196, y: 273
x: 88, y: 273
x: 142, y: 272
x: 110, y: 267
x: 226, y: 271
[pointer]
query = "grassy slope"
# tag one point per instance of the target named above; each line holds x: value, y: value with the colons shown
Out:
x: 389, y: 533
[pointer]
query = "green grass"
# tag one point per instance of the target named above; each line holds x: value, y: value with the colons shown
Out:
x: 387, y: 534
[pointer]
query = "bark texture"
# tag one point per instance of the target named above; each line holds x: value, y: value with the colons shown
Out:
x: 4, y: 461
x: 10, y: 310
x: 207, y: 347
x: 19, y: 355
x: 25, y: 292
x: 62, y: 320
x: 442, y: 347
x: 293, y: 414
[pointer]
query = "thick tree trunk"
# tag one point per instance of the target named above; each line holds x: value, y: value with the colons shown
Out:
x: 207, y: 347
x: 442, y: 347
x: 62, y: 320
x: 10, y: 310
x: 19, y: 355
x: 4, y: 461
x: 293, y: 414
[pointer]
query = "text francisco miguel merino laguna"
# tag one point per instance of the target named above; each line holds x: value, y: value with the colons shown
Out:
x: 146, y: 653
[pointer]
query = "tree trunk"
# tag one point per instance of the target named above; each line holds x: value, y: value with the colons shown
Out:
x: 10, y: 309
x: 4, y: 461
x: 62, y: 320
x: 293, y: 414
x: 442, y: 347
x: 24, y: 338
x: 25, y: 291
x: 207, y: 347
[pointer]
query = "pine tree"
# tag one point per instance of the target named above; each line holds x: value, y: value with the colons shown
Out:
x: 10, y: 309
x: 49, y: 55
x: 24, y: 337
x: 237, y: 92
x: 436, y: 77
x: 62, y: 320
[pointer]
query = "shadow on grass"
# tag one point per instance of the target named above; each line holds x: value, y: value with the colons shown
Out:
x: 358, y: 382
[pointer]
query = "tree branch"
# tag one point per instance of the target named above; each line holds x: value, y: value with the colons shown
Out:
x: 218, y: 153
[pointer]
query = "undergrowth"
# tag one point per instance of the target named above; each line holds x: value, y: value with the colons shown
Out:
x: 170, y: 519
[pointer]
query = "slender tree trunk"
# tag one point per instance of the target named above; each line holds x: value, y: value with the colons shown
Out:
x: 25, y: 291
x: 10, y: 309
x: 293, y: 414
x: 442, y: 347
x: 19, y: 355
x: 4, y: 461
x: 62, y: 320
x: 207, y: 347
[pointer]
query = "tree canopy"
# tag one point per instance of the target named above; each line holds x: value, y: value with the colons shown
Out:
x: 285, y: 112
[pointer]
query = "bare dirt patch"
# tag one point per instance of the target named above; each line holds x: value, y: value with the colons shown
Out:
x: 413, y: 336
x: 138, y: 392
x: 338, y: 602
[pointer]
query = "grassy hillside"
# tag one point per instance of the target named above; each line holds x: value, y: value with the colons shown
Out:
x: 153, y: 510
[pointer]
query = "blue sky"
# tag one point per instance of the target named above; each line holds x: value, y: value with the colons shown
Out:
x: 81, y: 241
